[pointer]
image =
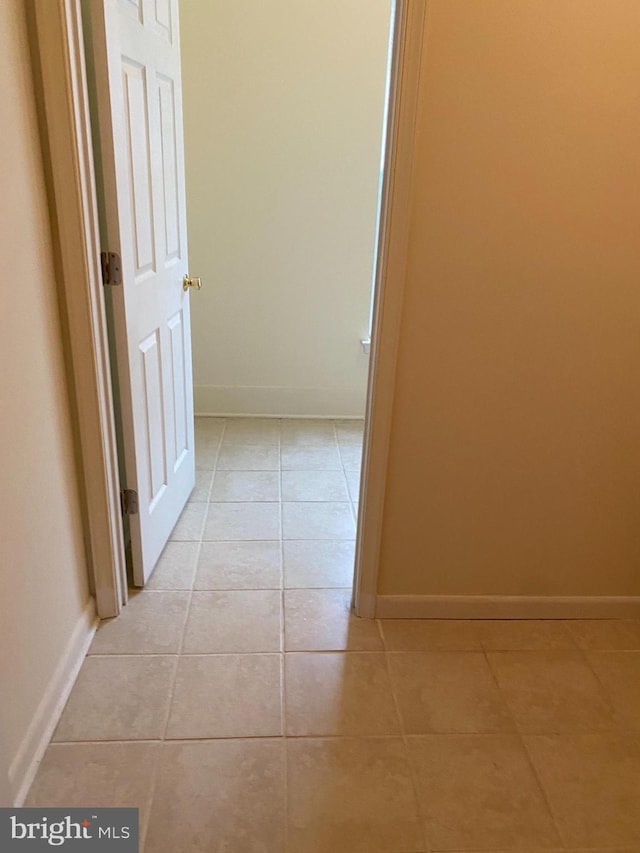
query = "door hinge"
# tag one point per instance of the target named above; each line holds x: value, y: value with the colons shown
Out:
x: 111, y: 268
x: 129, y: 501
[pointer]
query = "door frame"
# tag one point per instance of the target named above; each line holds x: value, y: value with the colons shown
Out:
x: 63, y: 107
x: 68, y: 149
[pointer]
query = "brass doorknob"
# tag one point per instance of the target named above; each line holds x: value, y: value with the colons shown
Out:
x: 195, y: 283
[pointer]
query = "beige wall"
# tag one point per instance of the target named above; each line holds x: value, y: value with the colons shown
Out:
x: 515, y: 453
x: 42, y: 566
x: 283, y: 105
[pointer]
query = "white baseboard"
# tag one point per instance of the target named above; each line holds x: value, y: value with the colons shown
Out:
x: 25, y: 764
x: 507, y: 607
x: 275, y: 401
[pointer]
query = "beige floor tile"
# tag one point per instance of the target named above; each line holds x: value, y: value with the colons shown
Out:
x: 314, y: 486
x: 524, y: 634
x: 426, y: 635
x: 478, y: 792
x: 189, y: 526
x: 151, y: 623
x: 592, y: 783
x: 239, y: 565
x: 176, y: 567
x: 551, y: 692
x: 206, y: 453
x: 118, y: 698
x: 96, y: 775
x: 311, y: 458
x: 312, y: 563
x: 210, y: 429
x: 321, y: 620
x: 202, y: 487
x: 305, y: 431
x: 604, y: 634
x: 353, y: 482
x: 265, y: 431
x: 619, y: 672
x: 223, y: 796
x: 351, y: 455
x: 234, y: 621
x: 224, y: 696
x: 243, y: 521
x: 317, y: 520
x: 347, y: 429
x: 246, y: 486
x: 339, y: 693
x: 447, y: 692
x: 350, y: 796
x: 248, y: 457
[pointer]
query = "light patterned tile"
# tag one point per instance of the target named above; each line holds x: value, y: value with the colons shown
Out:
x: 592, y: 783
x: 619, y: 672
x: 323, y: 563
x: 606, y: 634
x: 118, y: 698
x: 223, y: 795
x: 321, y: 620
x: 447, y: 692
x: 350, y: 796
x: 176, y: 567
x: 95, y: 775
x: 243, y: 521
x: 426, y: 635
x: 202, y: 487
x: 239, y: 565
x: 524, y: 634
x: 318, y: 520
x: 190, y: 524
x: 351, y: 456
x: 236, y: 621
x: 243, y: 431
x: 353, y: 482
x: 339, y: 693
x: 553, y: 691
x: 306, y: 431
x: 226, y: 696
x: 151, y: 623
x: 311, y: 458
x: 246, y: 486
x: 248, y: 457
x: 314, y: 486
x: 478, y: 792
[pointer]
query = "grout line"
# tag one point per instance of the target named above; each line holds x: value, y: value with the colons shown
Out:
x: 154, y: 778
x: 520, y: 736
x: 354, y: 514
x: 412, y: 773
x: 283, y: 646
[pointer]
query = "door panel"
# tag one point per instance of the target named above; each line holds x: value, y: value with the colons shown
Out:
x: 136, y: 51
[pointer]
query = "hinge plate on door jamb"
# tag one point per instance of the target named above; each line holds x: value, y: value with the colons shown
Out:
x: 111, y: 268
x: 129, y: 501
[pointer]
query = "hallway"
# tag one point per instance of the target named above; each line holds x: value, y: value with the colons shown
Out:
x: 243, y: 709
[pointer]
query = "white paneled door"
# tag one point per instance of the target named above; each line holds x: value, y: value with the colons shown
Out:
x: 137, y: 64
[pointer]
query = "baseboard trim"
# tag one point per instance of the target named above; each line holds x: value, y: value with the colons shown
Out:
x: 507, y: 607
x: 25, y: 764
x: 275, y: 401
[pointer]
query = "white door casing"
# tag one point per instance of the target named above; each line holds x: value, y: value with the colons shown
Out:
x: 137, y: 64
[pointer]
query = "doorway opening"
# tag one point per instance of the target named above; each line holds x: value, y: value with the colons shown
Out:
x: 282, y: 223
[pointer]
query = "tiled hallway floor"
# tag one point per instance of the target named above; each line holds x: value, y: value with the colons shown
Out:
x: 244, y: 710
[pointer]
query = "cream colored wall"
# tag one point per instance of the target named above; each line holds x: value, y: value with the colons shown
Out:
x: 42, y: 567
x: 283, y: 106
x: 515, y: 450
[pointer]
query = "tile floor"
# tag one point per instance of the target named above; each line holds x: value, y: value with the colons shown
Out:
x: 243, y: 709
